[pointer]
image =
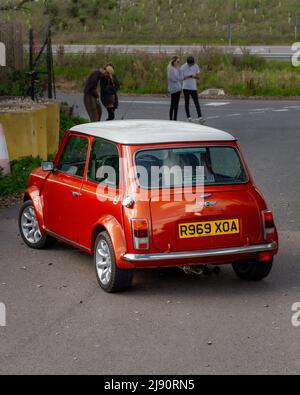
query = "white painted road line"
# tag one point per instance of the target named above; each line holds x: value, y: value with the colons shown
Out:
x: 282, y: 110
x: 217, y: 104
x: 263, y: 109
x: 233, y: 115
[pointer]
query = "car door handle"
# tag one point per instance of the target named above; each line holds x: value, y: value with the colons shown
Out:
x: 75, y: 194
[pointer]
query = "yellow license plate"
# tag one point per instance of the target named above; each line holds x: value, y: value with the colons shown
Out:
x: 211, y: 228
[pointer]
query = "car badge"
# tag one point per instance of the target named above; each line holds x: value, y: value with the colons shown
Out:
x: 210, y: 204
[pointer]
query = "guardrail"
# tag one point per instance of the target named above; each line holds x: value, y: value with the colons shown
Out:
x: 280, y: 53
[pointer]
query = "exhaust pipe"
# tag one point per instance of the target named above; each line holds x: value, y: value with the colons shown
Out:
x: 189, y: 270
x: 201, y: 270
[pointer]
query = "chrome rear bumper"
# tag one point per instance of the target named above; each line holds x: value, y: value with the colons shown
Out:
x: 201, y: 254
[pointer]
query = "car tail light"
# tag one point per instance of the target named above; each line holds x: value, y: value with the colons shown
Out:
x: 140, y: 234
x: 269, y: 225
x: 265, y: 257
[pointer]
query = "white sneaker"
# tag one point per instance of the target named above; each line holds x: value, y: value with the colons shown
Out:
x: 201, y: 120
x: 190, y: 119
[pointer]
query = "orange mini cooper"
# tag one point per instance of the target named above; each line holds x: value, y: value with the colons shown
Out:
x: 149, y: 194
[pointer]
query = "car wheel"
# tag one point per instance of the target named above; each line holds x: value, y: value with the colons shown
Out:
x: 253, y: 270
x: 30, y: 230
x: 109, y: 276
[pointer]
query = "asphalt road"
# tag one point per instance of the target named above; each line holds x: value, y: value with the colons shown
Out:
x: 269, y: 52
x: 60, y: 322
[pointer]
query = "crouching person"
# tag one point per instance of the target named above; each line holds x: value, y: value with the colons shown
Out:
x: 91, y: 96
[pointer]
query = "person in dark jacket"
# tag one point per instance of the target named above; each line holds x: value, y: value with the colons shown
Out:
x: 191, y: 75
x: 91, y: 96
x: 109, y: 91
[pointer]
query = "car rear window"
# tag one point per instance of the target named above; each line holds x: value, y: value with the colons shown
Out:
x: 191, y: 166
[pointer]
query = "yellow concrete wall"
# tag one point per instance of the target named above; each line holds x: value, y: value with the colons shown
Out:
x: 31, y: 132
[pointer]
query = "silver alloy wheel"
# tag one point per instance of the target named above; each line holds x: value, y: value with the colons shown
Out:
x: 30, y: 226
x: 103, y: 262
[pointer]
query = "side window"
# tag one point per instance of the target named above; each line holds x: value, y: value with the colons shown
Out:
x: 73, y: 159
x: 104, y: 166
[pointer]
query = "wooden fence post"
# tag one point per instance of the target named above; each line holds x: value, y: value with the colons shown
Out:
x: 11, y: 35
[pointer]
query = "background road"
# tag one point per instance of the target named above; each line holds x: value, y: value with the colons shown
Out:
x: 60, y: 322
x: 269, y: 52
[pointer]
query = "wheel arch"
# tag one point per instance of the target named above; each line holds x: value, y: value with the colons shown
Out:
x: 33, y: 194
x: 26, y: 197
x: 114, y: 229
x: 96, y: 231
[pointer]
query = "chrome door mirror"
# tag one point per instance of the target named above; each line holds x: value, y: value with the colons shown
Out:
x: 48, y: 166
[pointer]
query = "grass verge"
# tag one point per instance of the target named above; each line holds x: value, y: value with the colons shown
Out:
x: 245, y: 75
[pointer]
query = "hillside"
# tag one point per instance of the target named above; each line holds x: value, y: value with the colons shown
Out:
x: 170, y: 21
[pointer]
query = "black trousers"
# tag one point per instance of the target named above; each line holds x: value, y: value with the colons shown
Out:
x: 195, y: 97
x: 175, y: 99
x: 111, y: 102
x: 111, y: 114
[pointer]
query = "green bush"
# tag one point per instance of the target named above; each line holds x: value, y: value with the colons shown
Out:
x: 17, y: 180
x: 17, y: 85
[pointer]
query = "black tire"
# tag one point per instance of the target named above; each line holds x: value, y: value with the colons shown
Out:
x: 46, y: 241
x: 120, y: 279
x: 253, y: 270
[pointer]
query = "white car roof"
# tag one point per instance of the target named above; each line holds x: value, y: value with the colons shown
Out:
x: 139, y: 132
